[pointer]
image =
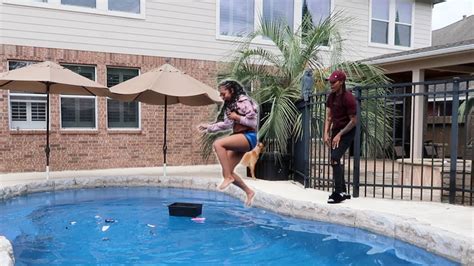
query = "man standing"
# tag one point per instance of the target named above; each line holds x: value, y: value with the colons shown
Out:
x: 339, y: 130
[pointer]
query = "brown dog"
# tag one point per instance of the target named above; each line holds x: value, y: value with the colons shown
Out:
x: 250, y: 158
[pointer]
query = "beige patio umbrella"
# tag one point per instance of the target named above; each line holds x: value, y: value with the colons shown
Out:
x: 163, y: 86
x: 48, y: 77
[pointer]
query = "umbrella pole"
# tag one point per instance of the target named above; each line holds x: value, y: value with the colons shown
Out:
x: 47, y: 149
x: 164, y: 141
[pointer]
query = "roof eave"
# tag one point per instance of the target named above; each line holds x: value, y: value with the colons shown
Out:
x: 397, y: 59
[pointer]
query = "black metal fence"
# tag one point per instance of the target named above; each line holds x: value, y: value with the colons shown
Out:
x: 411, y: 143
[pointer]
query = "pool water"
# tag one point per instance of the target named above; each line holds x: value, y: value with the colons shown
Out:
x: 70, y: 227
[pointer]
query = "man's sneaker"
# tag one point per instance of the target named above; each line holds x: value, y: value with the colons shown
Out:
x: 346, y: 195
x: 335, y: 198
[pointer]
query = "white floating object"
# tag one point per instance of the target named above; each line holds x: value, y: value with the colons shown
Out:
x: 97, y: 217
x: 198, y: 219
x: 105, y: 228
x: 151, y: 225
x: 73, y: 223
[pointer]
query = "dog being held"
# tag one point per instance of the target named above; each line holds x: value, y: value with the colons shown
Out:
x: 250, y: 158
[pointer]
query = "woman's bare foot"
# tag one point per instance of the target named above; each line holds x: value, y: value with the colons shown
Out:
x: 249, y: 200
x: 226, y: 182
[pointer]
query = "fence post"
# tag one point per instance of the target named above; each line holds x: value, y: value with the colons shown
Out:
x: 454, y: 142
x: 357, y: 144
x: 306, y: 140
x: 307, y: 83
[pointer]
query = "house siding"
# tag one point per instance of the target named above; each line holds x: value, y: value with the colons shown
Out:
x: 357, y: 31
x: 178, y: 29
x: 184, y: 30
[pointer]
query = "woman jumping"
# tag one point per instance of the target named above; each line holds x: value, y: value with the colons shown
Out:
x: 241, y: 114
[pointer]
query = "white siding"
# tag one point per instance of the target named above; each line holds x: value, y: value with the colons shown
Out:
x: 181, y: 29
x: 357, y: 34
x: 422, y: 24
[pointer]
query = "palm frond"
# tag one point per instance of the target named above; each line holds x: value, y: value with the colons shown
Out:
x: 465, y: 108
x: 276, y: 73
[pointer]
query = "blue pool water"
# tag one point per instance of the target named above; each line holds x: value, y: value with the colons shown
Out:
x: 68, y: 227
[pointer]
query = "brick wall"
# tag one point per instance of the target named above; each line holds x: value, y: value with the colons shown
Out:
x: 72, y: 150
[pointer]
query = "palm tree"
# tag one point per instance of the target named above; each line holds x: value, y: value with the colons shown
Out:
x: 275, y: 73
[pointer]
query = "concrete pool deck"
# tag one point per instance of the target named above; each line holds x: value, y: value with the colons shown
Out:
x: 441, y: 228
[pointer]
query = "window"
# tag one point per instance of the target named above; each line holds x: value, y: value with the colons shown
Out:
x: 391, y: 22
x: 27, y: 110
x: 236, y: 17
x: 279, y: 10
x: 319, y: 10
x: 118, y: 8
x: 403, y: 22
x: 79, y: 112
x: 83, y: 3
x: 131, y: 6
x: 380, y: 21
x: 85, y: 71
x: 121, y: 114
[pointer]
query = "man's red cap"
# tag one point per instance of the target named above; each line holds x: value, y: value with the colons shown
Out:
x: 337, y: 75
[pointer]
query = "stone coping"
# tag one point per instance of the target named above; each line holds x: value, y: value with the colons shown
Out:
x: 441, y: 242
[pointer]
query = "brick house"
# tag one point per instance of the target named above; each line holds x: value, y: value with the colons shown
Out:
x: 110, y: 41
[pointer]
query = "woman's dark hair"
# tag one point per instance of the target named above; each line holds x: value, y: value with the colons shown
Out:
x: 236, y: 89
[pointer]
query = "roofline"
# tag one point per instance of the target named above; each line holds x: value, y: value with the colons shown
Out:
x: 396, y: 59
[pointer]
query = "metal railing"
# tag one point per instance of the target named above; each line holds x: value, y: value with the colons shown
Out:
x: 410, y: 143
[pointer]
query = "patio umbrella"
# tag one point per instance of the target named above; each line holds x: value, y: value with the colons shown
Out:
x: 163, y: 86
x: 48, y: 77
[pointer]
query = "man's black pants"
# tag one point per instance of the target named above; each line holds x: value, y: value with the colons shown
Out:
x: 336, y: 155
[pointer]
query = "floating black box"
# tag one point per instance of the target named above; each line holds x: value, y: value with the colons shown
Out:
x: 185, y: 209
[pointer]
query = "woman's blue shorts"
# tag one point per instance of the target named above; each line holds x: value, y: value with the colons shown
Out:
x: 251, y: 137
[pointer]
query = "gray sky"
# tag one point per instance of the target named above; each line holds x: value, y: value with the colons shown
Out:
x: 451, y: 11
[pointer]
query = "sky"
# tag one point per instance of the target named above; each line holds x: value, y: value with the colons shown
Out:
x: 451, y: 11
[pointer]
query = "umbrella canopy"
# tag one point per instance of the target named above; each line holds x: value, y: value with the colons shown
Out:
x: 162, y: 86
x: 166, y: 82
x: 48, y: 77
x: 36, y: 77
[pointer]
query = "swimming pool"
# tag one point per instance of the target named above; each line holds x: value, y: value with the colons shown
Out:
x: 69, y: 227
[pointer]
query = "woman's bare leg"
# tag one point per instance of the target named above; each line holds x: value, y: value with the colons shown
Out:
x: 234, y: 159
x: 237, y: 143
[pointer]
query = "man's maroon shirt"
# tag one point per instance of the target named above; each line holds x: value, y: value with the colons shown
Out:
x: 342, y: 107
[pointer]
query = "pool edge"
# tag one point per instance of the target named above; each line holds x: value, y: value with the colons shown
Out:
x: 438, y: 241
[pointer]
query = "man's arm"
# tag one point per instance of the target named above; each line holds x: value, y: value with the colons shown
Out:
x: 327, y: 125
x: 352, y: 123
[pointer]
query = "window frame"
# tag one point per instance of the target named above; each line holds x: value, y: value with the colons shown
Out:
x: 61, y: 96
x: 258, y: 11
x: 300, y: 18
x: 95, y: 128
x: 119, y: 129
x: 10, y: 113
x: 101, y: 8
x: 391, y: 27
x: 139, y: 128
x: 140, y: 4
x: 13, y: 93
